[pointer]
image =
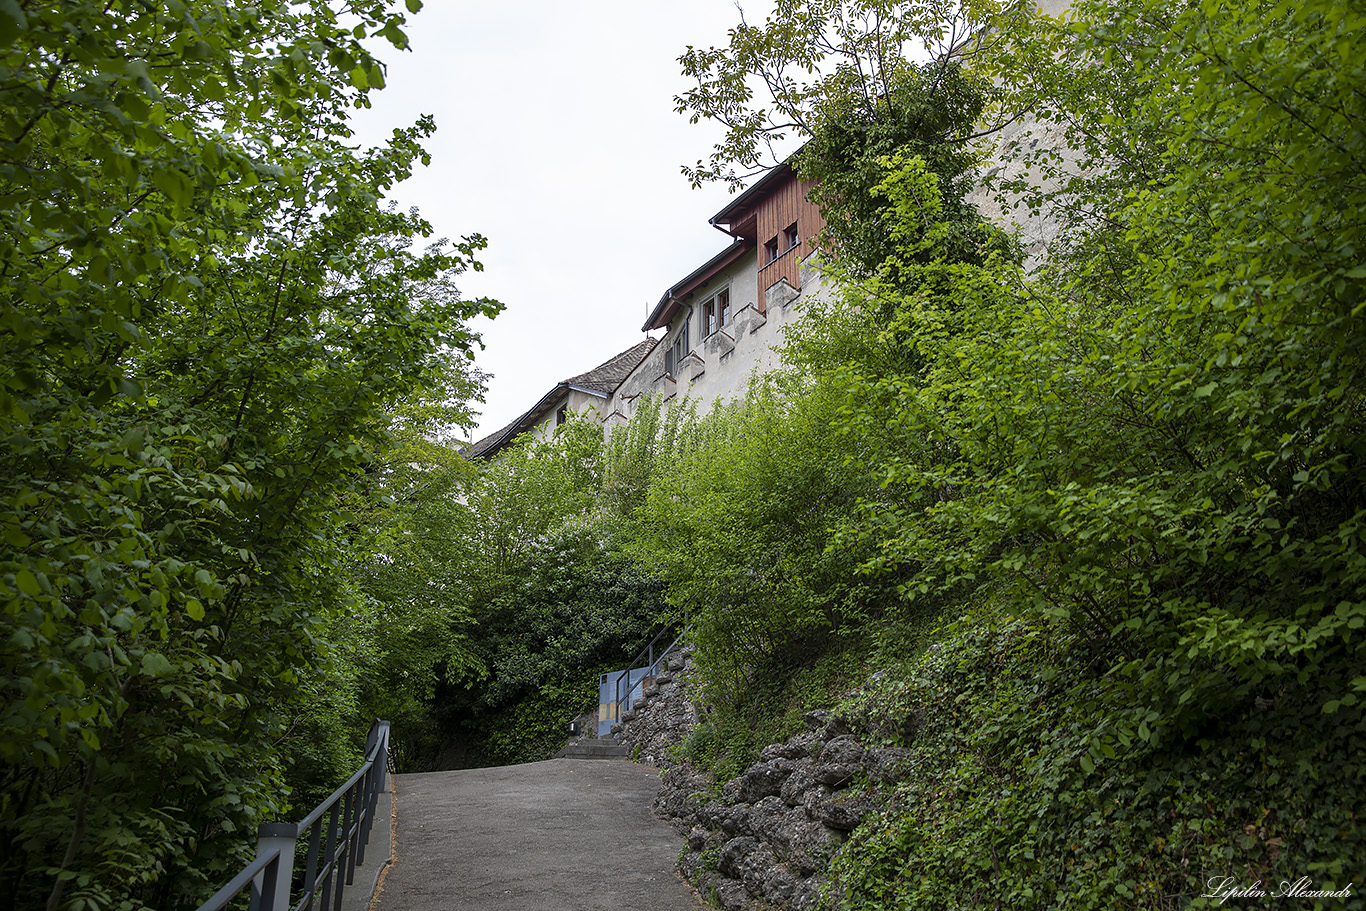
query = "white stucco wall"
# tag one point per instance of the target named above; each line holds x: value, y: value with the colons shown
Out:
x: 720, y: 366
x: 579, y: 403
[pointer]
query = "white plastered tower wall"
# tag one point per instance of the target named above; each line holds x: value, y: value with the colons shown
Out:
x: 1003, y: 162
x: 723, y: 323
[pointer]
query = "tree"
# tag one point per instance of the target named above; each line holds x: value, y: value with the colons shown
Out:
x: 1125, y: 484
x: 812, y: 60
x: 1139, y: 462
x: 207, y: 317
x: 856, y: 82
x: 542, y: 570
x: 929, y: 111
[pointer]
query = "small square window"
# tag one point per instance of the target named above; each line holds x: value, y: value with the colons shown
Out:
x: 771, y: 251
x: 790, y: 237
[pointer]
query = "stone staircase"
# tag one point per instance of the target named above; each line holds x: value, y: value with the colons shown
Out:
x: 590, y: 748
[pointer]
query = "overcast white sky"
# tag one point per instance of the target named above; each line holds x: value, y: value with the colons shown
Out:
x: 557, y: 140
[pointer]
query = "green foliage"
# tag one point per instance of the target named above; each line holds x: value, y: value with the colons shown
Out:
x: 538, y: 571
x: 1000, y: 802
x: 1165, y: 463
x: 578, y: 601
x: 410, y: 528
x: 780, y: 689
x: 533, y: 727
x: 579, y: 610
x: 1144, y: 459
x: 1159, y: 464
x: 926, y: 111
x: 527, y: 492
x: 815, y: 65
x: 207, y: 318
x: 736, y: 527
x: 639, y: 452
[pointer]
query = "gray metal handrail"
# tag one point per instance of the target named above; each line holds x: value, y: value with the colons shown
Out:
x: 337, y: 832
x: 647, y: 652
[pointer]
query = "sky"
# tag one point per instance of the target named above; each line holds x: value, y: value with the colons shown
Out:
x: 557, y: 140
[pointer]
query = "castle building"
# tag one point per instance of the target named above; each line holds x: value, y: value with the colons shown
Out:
x: 720, y: 323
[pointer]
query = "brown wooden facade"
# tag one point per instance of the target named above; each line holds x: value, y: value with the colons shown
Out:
x: 765, y: 220
x: 786, y: 221
x: 778, y: 218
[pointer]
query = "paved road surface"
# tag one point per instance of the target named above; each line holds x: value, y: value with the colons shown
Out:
x: 561, y: 835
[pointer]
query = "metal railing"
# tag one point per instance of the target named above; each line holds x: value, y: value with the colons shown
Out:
x: 624, y: 679
x: 336, y: 834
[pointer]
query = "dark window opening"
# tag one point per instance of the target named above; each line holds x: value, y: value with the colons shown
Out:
x: 673, y: 357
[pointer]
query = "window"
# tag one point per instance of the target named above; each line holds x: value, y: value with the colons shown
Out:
x: 674, y: 354
x: 562, y: 415
x: 780, y: 246
x: 716, y: 312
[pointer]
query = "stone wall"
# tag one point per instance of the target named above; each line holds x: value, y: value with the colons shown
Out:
x: 763, y: 840
x: 658, y: 722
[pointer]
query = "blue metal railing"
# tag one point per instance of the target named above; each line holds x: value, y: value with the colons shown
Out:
x: 625, y: 684
x: 336, y: 833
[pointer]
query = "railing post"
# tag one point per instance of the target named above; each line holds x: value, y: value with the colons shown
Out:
x: 382, y: 757
x: 347, y: 814
x: 367, y: 810
x: 271, y: 891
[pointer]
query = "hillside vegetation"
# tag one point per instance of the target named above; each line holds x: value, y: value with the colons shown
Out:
x: 1087, y: 541
x: 1100, y: 527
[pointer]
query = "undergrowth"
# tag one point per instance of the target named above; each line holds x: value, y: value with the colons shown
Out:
x: 772, y: 707
x: 1001, y: 807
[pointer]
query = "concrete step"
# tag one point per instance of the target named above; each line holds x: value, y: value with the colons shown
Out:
x: 593, y: 749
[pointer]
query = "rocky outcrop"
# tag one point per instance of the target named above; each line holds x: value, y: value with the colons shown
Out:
x: 766, y: 841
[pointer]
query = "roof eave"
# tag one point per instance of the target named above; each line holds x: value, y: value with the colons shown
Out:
x: 589, y: 390
x: 663, y: 313
x: 726, y: 215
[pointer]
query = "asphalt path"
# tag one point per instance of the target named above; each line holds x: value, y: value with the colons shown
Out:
x: 561, y: 835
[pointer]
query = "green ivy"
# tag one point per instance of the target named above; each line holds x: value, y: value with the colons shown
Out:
x: 1000, y: 802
